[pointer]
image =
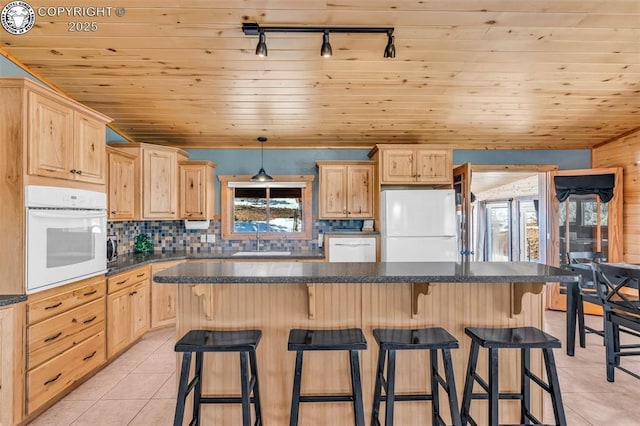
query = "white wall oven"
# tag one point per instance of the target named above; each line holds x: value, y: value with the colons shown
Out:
x: 66, y: 235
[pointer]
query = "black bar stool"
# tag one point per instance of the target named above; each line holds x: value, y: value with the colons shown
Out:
x: 351, y: 340
x: 525, y: 339
x: 433, y: 339
x: 200, y: 341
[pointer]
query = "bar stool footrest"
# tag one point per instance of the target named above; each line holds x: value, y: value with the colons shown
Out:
x: 502, y: 395
x: 223, y: 400
x: 326, y: 398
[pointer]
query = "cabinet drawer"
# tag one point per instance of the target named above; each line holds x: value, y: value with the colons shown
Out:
x: 52, y: 302
x: 53, y: 377
x: 125, y: 279
x: 55, y: 335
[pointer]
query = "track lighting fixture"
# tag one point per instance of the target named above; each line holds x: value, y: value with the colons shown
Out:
x: 325, y: 50
x: 252, y: 28
x: 261, y: 176
x: 261, y: 48
x: 390, y: 50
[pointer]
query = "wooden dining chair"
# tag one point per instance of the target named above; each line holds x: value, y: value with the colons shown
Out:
x: 587, y: 291
x: 619, y: 290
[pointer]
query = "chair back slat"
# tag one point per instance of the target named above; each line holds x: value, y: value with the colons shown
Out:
x: 618, y: 287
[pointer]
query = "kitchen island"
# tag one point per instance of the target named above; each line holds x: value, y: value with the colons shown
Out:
x: 278, y: 296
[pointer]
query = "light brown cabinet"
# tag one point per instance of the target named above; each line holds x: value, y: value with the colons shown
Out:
x: 65, y: 338
x: 156, y: 179
x: 12, y: 364
x: 127, y: 309
x: 345, y: 189
x: 163, y: 298
x: 120, y: 185
x: 406, y: 164
x: 196, y: 189
x: 64, y: 141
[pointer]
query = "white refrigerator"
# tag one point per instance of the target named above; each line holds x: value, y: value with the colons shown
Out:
x: 418, y: 225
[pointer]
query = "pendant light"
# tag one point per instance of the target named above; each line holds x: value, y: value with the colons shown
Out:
x: 261, y: 176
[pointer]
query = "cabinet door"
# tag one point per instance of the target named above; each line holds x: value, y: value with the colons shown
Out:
x: 159, y: 184
x: 50, y: 146
x: 333, y: 187
x: 89, y: 137
x: 360, y: 191
x: 434, y: 166
x: 163, y: 297
x: 118, y: 321
x: 121, y: 187
x: 193, y: 192
x: 397, y: 166
x: 140, y: 309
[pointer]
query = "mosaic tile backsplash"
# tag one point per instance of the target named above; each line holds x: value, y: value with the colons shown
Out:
x: 171, y: 235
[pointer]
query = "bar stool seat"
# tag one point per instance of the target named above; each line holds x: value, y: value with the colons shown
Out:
x: 433, y: 339
x: 245, y: 343
x: 525, y: 339
x: 351, y: 340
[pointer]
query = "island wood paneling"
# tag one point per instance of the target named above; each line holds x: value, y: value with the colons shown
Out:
x: 276, y: 308
x: 625, y: 152
x: 504, y: 74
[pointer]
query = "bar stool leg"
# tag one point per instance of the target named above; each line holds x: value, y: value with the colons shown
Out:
x: 256, y: 387
x: 197, y: 394
x: 468, y: 383
x: 182, y: 389
x: 451, y: 385
x: 525, y: 386
x: 377, y: 393
x: 356, y: 388
x: 554, y: 385
x: 493, y: 387
x: 581, y: 330
x: 435, y: 399
x: 295, y: 397
x: 391, y: 388
x: 245, y: 391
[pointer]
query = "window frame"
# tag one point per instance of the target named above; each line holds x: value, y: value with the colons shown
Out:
x: 226, y: 208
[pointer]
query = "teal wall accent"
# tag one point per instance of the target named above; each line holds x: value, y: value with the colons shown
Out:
x: 565, y: 159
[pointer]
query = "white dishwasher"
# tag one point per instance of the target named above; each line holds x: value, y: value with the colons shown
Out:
x: 352, y: 249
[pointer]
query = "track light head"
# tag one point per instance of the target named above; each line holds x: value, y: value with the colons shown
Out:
x: 390, y: 49
x: 325, y: 50
x: 261, y: 48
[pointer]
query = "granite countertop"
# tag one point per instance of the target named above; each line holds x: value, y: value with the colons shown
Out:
x: 363, y: 272
x: 133, y: 260
x: 11, y: 299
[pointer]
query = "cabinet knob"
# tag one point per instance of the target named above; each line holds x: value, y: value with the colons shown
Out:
x: 73, y: 171
x: 79, y: 172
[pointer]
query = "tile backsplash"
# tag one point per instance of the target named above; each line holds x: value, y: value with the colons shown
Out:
x: 171, y: 235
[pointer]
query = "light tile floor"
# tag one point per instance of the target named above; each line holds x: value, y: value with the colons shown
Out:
x: 138, y: 388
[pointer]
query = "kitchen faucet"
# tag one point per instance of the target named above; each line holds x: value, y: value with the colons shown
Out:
x: 257, y: 238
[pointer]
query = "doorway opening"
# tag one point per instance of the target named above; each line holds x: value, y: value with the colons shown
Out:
x: 508, y: 216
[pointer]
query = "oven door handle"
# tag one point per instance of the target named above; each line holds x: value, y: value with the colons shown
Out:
x: 84, y: 214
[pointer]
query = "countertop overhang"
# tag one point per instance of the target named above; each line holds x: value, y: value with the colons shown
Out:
x: 363, y: 272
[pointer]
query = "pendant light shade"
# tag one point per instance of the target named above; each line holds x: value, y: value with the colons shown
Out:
x: 325, y: 50
x: 261, y: 176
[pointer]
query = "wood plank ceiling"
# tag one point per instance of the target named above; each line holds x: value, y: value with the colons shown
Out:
x: 468, y: 73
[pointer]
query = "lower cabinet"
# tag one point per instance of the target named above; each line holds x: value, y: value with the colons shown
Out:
x: 128, y: 313
x: 12, y: 364
x: 163, y: 298
x: 65, y: 338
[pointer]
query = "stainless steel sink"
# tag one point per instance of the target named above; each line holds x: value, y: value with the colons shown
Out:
x: 262, y: 253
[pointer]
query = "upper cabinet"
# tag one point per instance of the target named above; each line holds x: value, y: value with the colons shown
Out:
x: 411, y: 164
x: 62, y: 138
x: 121, y: 185
x: 156, y: 179
x: 196, y: 189
x: 64, y: 142
x: 346, y: 189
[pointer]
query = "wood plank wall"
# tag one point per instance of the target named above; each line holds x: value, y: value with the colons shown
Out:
x: 625, y: 152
